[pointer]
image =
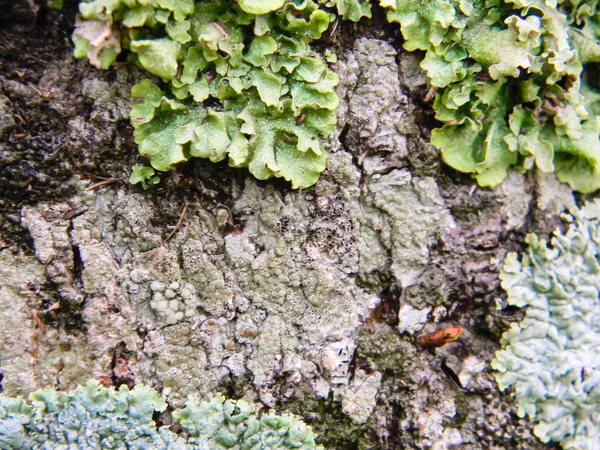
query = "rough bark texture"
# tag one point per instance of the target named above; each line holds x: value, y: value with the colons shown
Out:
x: 303, y: 301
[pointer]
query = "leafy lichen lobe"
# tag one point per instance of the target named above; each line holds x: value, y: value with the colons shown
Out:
x: 242, y: 82
x: 550, y: 358
x: 511, y: 86
x: 96, y: 417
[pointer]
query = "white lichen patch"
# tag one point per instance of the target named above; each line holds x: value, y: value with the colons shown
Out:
x: 18, y: 329
x: 411, y: 320
x: 359, y: 401
x: 471, y: 366
x: 516, y: 200
x: 305, y: 293
x: 216, y: 297
x: 276, y: 340
x: 174, y: 302
x: 336, y: 360
x: 180, y: 363
x: 374, y: 105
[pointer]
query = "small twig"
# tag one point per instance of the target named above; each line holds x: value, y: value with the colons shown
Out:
x: 71, y: 214
x: 179, y: 222
x: 38, y: 321
x: 26, y: 183
x: 102, y: 183
x: 333, y: 30
x: 430, y: 94
x: 221, y: 28
x: 195, y: 326
x: 54, y: 307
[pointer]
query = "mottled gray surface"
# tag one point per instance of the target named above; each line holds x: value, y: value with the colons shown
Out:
x: 287, y: 298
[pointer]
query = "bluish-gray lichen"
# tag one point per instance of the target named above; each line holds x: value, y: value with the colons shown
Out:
x: 89, y: 417
x: 96, y: 417
x: 551, y: 358
x: 224, y: 424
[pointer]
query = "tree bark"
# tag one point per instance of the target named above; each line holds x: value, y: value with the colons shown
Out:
x: 307, y: 301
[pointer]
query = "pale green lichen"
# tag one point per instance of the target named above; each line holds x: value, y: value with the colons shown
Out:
x: 264, y: 102
x: 90, y: 417
x: 96, y: 417
x: 353, y: 10
x: 509, y: 76
x: 510, y: 83
x: 224, y: 424
x: 143, y: 175
x: 551, y: 358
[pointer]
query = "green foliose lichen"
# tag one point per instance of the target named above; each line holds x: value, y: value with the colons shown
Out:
x: 143, y: 175
x: 511, y: 85
x: 96, y: 417
x: 243, y: 84
x: 241, y: 81
x: 550, y: 359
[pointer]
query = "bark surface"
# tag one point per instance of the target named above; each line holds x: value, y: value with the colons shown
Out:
x: 308, y: 301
